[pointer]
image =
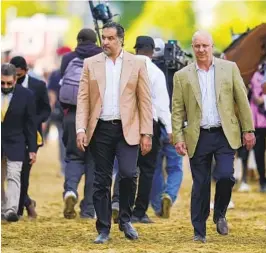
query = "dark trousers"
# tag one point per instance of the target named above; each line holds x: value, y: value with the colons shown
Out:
x: 146, y: 165
x: 107, y: 142
x: 211, y: 144
x: 78, y: 163
x: 259, y: 151
x: 24, y: 199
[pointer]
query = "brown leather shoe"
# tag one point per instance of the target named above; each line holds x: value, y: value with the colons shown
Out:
x: 31, y: 210
x: 221, y: 226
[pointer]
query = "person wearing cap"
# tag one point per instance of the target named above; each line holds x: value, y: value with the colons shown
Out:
x: 165, y: 190
x: 114, y: 117
x: 161, y: 115
x: 43, y: 110
x: 77, y: 162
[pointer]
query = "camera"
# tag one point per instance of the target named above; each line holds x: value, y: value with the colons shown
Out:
x: 101, y: 12
x: 174, y: 56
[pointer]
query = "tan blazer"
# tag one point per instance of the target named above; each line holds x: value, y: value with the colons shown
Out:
x: 187, y: 104
x: 135, y: 97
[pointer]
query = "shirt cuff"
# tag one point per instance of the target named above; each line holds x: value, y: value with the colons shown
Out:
x: 81, y: 130
x: 168, y: 129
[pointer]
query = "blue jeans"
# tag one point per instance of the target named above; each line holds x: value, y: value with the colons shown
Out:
x: 174, y: 171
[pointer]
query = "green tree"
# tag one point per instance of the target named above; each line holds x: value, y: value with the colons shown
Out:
x: 168, y: 20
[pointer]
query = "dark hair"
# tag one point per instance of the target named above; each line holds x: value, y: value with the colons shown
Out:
x: 86, y: 35
x: 19, y: 62
x: 119, y: 30
x: 8, y: 69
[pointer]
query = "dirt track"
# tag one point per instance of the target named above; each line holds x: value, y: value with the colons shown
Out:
x: 52, y: 233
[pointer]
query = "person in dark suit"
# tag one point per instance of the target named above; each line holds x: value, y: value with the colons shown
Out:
x: 43, y: 111
x: 18, y: 131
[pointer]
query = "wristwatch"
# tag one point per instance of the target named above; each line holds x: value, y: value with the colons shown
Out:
x: 249, y: 132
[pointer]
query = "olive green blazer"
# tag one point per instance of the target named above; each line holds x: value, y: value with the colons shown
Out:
x: 230, y: 93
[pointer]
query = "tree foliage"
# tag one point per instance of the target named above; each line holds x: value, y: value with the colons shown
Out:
x: 168, y: 20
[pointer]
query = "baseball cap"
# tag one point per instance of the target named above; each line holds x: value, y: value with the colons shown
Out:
x: 87, y: 34
x: 144, y: 42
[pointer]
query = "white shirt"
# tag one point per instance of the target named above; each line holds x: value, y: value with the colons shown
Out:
x: 111, y: 101
x: 25, y: 83
x: 210, y: 114
x: 159, y: 94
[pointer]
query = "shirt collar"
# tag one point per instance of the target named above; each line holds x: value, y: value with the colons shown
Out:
x: 120, y: 55
x: 212, y: 65
x: 25, y: 82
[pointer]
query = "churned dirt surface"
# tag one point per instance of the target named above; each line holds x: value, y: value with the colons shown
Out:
x: 54, y: 234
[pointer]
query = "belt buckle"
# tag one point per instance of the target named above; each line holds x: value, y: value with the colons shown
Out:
x: 113, y: 122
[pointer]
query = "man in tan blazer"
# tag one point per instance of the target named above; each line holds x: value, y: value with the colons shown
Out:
x: 114, y: 116
x: 205, y: 95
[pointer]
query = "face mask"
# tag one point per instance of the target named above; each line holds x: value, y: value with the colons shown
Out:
x: 7, y: 90
x: 21, y: 79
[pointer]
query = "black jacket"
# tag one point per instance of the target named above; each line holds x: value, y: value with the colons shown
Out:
x: 43, y: 108
x: 18, y: 129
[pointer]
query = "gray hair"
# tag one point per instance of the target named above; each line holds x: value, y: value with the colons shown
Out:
x: 204, y: 33
x: 8, y: 69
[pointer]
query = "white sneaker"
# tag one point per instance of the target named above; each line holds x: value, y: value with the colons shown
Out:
x: 231, y: 205
x: 244, y: 187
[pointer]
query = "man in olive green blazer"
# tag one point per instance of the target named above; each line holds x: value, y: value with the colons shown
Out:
x: 205, y: 95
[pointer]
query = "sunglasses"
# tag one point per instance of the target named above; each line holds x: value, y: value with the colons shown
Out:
x: 8, y: 83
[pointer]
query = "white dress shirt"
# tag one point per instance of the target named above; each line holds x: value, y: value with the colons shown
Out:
x: 210, y: 114
x: 111, y: 101
x: 159, y: 94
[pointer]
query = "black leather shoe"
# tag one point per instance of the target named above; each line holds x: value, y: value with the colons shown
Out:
x: 221, y: 226
x: 129, y: 230
x: 102, y: 238
x: 199, y: 238
x: 146, y: 219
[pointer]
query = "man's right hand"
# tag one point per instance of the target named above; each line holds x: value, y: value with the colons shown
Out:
x: 181, y: 148
x: 82, y: 141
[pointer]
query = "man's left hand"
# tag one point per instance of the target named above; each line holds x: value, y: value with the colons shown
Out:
x: 145, y: 144
x: 32, y: 157
x: 249, y: 140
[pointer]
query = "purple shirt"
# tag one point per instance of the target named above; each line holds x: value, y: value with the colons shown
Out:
x: 258, y: 118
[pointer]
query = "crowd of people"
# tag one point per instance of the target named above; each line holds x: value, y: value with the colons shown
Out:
x: 118, y: 117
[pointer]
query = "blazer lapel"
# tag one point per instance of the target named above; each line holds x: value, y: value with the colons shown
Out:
x: 194, y: 80
x: 126, y: 71
x: 99, y: 71
x: 11, y: 103
x: 218, y: 78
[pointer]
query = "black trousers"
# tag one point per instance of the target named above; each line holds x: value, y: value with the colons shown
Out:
x: 146, y: 166
x: 211, y: 144
x: 24, y: 200
x: 107, y: 142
